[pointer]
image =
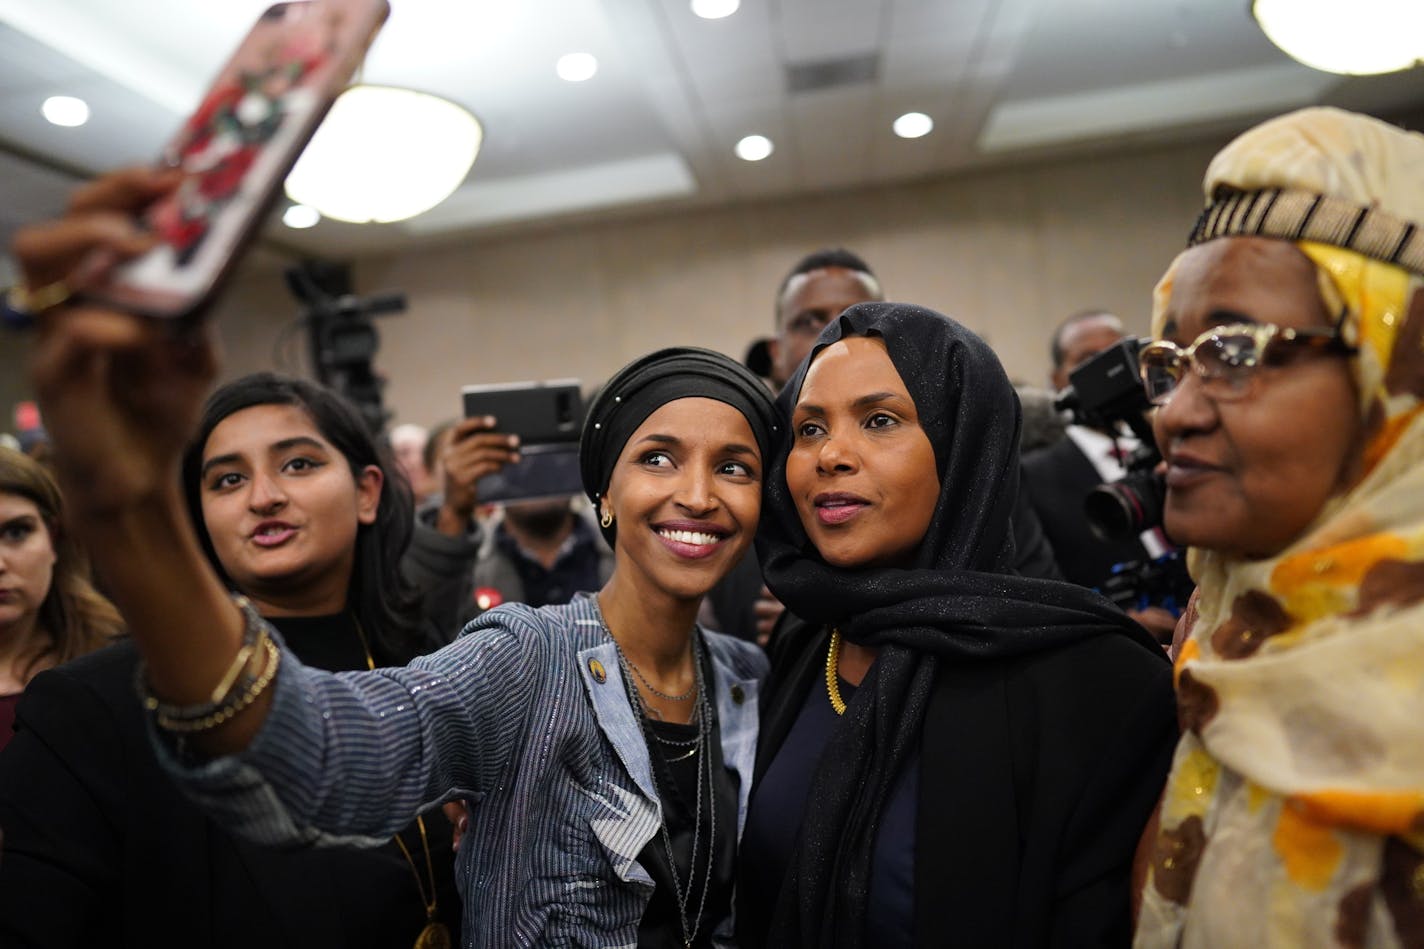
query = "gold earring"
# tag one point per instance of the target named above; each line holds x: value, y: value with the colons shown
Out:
x: 606, y: 521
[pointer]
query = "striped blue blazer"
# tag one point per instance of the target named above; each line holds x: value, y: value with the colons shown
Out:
x: 527, y: 715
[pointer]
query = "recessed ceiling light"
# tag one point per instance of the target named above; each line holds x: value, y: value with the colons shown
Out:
x: 913, y: 125
x: 301, y: 216
x: 715, y: 9
x: 754, y: 148
x: 65, y: 110
x: 576, y: 67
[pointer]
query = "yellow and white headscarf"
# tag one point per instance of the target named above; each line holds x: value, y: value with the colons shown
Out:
x: 1294, y: 813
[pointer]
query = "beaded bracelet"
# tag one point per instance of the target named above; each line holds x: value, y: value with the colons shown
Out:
x: 240, y: 684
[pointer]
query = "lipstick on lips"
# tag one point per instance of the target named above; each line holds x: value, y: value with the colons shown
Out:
x: 691, y: 539
x: 273, y: 533
x: 837, y: 507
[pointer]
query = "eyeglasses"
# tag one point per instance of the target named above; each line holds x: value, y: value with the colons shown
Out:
x: 1226, y: 358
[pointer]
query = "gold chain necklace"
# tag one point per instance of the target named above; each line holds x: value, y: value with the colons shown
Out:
x: 435, y: 935
x: 833, y: 660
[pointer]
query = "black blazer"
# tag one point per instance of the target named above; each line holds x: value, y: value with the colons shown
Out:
x: 101, y: 849
x: 1056, y: 479
x: 1031, y: 805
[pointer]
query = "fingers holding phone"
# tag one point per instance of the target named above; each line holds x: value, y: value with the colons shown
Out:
x: 476, y: 450
x: 119, y: 393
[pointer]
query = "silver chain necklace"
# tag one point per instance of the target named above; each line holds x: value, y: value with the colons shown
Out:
x: 703, y: 714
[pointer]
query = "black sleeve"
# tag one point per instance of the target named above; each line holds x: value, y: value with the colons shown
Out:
x: 1092, y: 900
x: 58, y: 798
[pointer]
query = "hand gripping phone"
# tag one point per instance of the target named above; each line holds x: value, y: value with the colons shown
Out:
x: 237, y: 148
x: 548, y: 418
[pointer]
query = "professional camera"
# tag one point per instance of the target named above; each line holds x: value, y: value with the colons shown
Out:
x: 1102, y: 393
x: 343, y: 339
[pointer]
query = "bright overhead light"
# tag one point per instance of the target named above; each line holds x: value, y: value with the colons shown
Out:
x: 65, y: 110
x: 715, y: 9
x: 385, y: 154
x: 913, y: 125
x: 576, y: 67
x: 299, y: 217
x: 754, y: 148
x: 1372, y: 36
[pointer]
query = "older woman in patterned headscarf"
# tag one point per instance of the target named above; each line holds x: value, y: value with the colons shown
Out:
x: 1288, y: 372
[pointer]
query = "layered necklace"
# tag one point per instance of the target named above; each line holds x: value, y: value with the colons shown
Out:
x: 435, y: 935
x: 706, y: 791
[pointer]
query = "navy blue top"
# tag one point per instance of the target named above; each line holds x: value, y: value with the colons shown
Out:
x: 779, y: 801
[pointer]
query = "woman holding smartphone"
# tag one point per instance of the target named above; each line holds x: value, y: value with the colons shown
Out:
x: 608, y: 742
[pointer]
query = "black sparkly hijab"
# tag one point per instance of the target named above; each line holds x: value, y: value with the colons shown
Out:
x: 960, y: 602
x: 646, y: 384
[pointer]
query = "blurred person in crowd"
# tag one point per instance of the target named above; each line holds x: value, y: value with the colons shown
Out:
x: 408, y: 446
x: 49, y: 611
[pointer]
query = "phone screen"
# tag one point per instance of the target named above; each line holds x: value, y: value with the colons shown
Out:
x: 244, y: 137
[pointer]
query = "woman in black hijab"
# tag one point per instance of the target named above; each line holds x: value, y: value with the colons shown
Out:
x: 951, y: 754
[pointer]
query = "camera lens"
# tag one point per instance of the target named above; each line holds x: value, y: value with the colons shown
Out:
x: 1127, y: 507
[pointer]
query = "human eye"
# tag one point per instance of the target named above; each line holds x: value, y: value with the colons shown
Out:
x: 300, y: 464
x: 737, y: 469
x: 809, y: 429
x: 15, y: 532
x: 656, y: 459
x: 223, y: 480
x: 881, y: 420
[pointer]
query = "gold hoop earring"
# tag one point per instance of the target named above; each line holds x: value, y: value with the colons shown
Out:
x: 606, y: 521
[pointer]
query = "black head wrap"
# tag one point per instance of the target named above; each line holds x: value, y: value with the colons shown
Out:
x: 643, y: 386
x: 959, y: 601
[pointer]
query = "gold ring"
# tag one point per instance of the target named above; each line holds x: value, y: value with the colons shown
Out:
x: 34, y: 302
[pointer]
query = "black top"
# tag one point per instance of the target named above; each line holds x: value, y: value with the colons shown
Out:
x: 7, y: 717
x: 678, y: 776
x: 779, y: 801
x: 102, y: 849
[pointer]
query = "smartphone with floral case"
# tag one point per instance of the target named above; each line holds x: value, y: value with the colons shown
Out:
x: 238, y: 146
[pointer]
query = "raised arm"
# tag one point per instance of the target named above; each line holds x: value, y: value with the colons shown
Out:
x: 120, y: 396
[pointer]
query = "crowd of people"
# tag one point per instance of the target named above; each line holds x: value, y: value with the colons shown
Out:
x: 808, y: 664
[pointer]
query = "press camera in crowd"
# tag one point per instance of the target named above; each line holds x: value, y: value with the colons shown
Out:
x: 1105, y: 393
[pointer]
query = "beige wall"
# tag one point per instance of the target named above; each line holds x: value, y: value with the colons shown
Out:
x: 1008, y: 252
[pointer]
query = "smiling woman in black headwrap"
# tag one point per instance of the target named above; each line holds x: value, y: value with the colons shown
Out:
x: 951, y: 754
x: 609, y: 742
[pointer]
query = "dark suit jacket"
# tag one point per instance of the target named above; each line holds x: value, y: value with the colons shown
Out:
x: 1031, y: 805
x: 1056, y: 479
x: 101, y: 849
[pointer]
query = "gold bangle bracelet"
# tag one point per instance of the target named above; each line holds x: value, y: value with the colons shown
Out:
x: 191, y: 726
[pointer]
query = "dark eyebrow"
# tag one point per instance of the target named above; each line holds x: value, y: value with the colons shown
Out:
x: 299, y: 441
x: 732, y: 448
x: 873, y: 398
x: 27, y: 520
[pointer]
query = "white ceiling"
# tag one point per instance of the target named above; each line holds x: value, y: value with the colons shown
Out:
x: 1004, y: 80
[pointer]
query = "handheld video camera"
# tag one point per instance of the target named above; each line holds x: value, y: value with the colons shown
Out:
x: 1102, y: 393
